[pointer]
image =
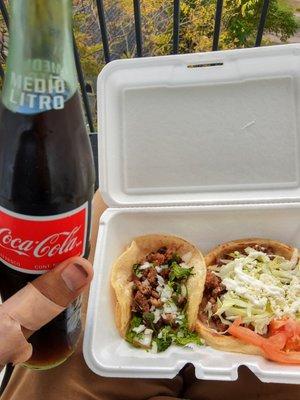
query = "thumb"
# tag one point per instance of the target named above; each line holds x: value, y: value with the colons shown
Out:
x: 47, y: 296
x: 38, y: 303
x: 65, y: 282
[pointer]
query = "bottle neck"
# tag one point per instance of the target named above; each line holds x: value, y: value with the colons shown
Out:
x: 41, y: 73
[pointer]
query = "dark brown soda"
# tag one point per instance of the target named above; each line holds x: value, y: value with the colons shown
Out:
x: 46, y: 168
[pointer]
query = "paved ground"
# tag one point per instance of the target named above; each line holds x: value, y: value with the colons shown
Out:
x: 296, y: 38
x: 296, y: 5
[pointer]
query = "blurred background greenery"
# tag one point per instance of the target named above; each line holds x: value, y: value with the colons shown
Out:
x: 239, y: 26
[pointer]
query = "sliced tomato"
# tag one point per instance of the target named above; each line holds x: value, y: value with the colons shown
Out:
x: 278, y: 340
x: 245, y: 334
x: 279, y: 345
x: 284, y: 357
x: 289, y: 325
x: 293, y: 344
x: 290, y: 328
x: 276, y: 325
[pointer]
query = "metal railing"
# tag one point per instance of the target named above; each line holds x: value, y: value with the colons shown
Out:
x: 139, y: 38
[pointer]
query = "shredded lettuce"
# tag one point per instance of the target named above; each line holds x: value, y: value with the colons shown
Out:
x: 259, y: 288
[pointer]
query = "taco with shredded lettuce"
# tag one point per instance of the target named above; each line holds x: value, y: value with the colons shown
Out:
x: 251, y: 300
x: 158, y: 285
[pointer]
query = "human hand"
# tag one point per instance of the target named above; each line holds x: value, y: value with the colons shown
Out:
x: 37, y: 304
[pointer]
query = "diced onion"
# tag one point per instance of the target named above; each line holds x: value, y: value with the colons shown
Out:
x: 187, y: 257
x: 139, y: 329
x: 146, y: 265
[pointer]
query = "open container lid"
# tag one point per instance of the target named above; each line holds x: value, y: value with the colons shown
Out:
x: 220, y: 127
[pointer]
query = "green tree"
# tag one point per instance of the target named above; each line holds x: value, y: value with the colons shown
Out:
x: 241, y: 19
x: 89, y: 46
x: 239, y: 24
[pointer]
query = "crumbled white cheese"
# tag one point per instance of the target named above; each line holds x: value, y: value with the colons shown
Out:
x: 259, y: 288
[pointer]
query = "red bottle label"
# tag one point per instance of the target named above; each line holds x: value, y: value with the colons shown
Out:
x: 36, y: 244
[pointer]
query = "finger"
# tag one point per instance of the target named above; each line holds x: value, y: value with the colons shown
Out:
x: 66, y: 282
x: 37, y: 303
x: 46, y: 297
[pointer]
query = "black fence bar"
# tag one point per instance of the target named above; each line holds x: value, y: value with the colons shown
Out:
x: 218, y: 17
x: 83, y: 88
x: 138, y: 29
x: 176, y: 24
x: 103, y: 29
x: 4, y: 12
x: 262, y: 22
x: 1, y: 72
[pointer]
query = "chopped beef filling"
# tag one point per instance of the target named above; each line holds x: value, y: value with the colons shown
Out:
x: 268, y: 250
x: 146, y: 284
x: 213, y: 289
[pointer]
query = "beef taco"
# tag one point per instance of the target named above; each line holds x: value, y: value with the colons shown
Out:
x: 158, y: 285
x: 251, y: 300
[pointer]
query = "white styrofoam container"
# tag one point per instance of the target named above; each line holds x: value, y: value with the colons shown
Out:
x: 206, y: 147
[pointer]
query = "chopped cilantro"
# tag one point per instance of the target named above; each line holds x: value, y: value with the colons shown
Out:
x: 181, y: 337
x: 164, y: 339
x: 175, y: 258
x: 189, y: 337
x: 149, y: 317
x: 163, y: 343
x: 136, y: 270
x: 135, y: 322
x: 177, y: 272
x: 175, y: 286
x: 184, y: 336
x: 131, y: 336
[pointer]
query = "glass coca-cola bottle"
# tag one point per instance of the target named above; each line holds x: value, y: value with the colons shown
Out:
x: 46, y: 166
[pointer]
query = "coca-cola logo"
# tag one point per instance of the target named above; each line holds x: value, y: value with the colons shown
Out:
x: 57, y: 243
x: 37, y: 244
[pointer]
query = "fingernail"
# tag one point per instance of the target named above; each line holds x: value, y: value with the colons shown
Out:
x: 74, y: 276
